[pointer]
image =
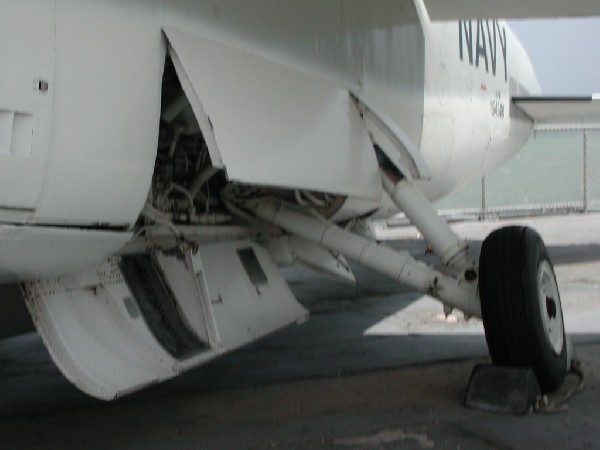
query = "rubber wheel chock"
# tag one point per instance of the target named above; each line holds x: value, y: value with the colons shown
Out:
x: 498, y: 389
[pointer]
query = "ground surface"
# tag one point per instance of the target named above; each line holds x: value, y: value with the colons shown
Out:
x: 375, y: 367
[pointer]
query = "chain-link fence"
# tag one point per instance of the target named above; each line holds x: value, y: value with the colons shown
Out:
x: 558, y: 170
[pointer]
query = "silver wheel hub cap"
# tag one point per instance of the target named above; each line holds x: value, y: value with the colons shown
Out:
x: 550, y: 308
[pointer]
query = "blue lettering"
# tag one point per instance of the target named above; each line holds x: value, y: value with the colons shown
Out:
x: 468, y: 38
x: 481, y: 50
x: 484, y: 46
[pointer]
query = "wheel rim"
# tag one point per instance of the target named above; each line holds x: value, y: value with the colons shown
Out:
x: 550, y: 307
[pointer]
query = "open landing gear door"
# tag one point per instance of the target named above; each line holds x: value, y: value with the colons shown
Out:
x: 271, y: 125
x: 143, y: 318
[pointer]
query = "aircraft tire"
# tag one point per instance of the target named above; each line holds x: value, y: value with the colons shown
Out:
x: 520, y: 305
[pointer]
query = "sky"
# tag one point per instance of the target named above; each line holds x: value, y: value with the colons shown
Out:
x: 564, y: 53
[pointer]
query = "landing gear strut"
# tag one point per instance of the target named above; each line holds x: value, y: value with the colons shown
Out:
x: 401, y: 266
x: 520, y: 302
x: 514, y: 291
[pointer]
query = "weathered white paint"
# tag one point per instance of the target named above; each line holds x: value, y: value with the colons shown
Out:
x: 108, y: 352
x: 270, y: 83
x: 27, y: 47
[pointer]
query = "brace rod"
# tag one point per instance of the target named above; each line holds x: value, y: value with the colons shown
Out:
x: 444, y: 241
x: 398, y: 265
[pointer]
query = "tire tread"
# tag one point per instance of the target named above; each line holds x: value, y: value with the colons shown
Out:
x: 507, y: 288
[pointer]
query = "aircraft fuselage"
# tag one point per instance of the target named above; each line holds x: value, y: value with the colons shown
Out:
x: 80, y: 106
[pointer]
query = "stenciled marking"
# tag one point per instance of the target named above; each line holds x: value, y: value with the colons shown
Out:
x: 497, y: 106
x: 483, y: 42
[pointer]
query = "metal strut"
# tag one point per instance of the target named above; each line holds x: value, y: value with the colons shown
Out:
x: 453, y: 251
x: 401, y: 266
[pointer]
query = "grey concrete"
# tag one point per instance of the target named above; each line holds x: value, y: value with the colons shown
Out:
x: 375, y: 367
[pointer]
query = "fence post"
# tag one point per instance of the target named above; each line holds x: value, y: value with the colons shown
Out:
x: 585, y: 171
x: 483, y: 203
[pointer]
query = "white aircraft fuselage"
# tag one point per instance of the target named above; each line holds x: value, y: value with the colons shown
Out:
x: 80, y: 150
x: 120, y: 117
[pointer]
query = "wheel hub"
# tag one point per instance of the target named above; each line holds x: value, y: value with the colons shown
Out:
x: 550, y: 308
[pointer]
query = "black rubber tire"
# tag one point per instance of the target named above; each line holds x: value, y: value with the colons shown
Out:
x: 512, y: 316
